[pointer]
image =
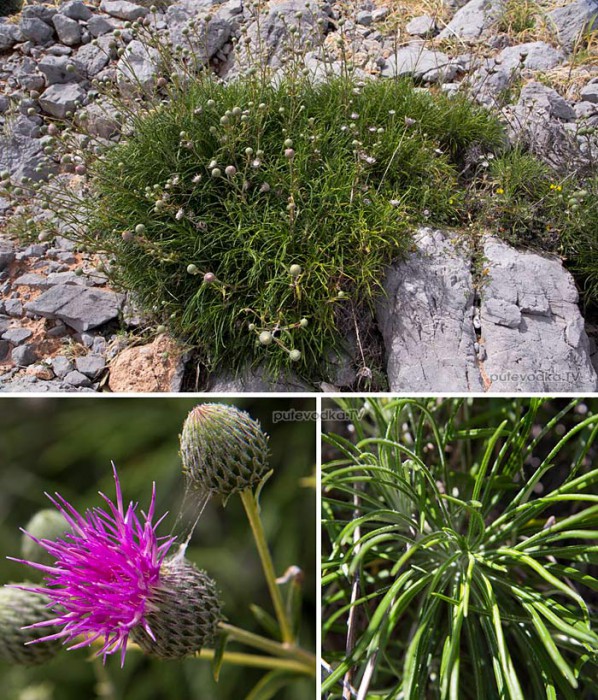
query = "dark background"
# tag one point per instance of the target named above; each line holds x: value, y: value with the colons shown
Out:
x: 67, y: 444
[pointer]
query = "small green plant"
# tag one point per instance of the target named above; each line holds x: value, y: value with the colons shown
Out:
x: 518, y: 17
x: 460, y: 549
x: 530, y: 206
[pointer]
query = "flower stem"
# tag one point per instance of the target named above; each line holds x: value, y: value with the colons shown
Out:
x: 255, y: 661
x: 253, y: 515
x: 299, y: 655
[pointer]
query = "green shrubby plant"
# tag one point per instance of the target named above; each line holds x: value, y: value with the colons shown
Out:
x: 460, y: 550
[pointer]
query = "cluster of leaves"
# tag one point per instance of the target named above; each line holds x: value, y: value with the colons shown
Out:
x: 460, y: 541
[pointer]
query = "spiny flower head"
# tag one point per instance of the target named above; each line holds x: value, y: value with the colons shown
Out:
x: 224, y: 451
x: 105, y: 572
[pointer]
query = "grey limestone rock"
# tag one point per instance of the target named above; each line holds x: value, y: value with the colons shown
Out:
x: 137, y: 69
x: 81, y: 308
x: 532, y: 328
x: 59, y: 70
x: 75, y: 9
x: 36, y: 30
x: 91, y: 365
x: 573, y: 20
x: 423, y: 64
x: 23, y: 355
x: 10, y: 34
x: 423, y: 26
x: 121, y: 9
x: 426, y: 319
x: 472, y: 20
x: 59, y: 99
x: 255, y: 380
x: 68, y: 30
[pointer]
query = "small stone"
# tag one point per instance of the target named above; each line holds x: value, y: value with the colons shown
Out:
x: 35, y: 30
x: 590, y: 93
x: 58, y: 70
x: 77, y: 379
x: 364, y: 18
x: 573, y: 20
x: 68, y: 30
x: 424, y: 26
x: 17, y: 336
x: 75, y: 9
x: 80, y: 307
x: 380, y: 14
x: 13, y: 307
x: 23, y: 355
x: 98, y: 26
x: 57, y: 100
x: 10, y: 34
x: 61, y: 366
x: 91, y: 365
x: 123, y: 9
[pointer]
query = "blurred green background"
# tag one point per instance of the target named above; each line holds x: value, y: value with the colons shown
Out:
x: 66, y: 445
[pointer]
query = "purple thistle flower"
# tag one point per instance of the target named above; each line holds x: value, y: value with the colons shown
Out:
x: 105, y: 572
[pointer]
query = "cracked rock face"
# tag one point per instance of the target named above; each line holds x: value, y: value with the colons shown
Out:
x: 528, y: 334
x: 427, y: 319
x: 531, y: 326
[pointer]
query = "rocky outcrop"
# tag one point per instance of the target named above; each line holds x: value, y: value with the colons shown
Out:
x: 426, y: 319
x: 531, y: 328
x: 524, y: 332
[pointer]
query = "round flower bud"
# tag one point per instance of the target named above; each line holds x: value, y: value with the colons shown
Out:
x: 140, y: 229
x: 192, y: 269
x: 161, y: 329
x: 289, y: 153
x: 127, y: 236
x: 216, y: 172
x: 223, y: 450
x: 303, y: 323
x: 265, y: 337
x: 230, y: 170
x: 185, y: 612
x: 251, y: 327
x: 46, y: 524
x: 17, y: 610
x: 288, y: 143
x: 211, y: 103
x: 295, y: 270
x: 209, y: 277
x: 295, y: 355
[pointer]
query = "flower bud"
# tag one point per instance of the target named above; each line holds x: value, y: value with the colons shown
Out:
x: 265, y: 337
x: 46, y: 524
x: 223, y: 449
x: 185, y: 612
x: 19, y: 609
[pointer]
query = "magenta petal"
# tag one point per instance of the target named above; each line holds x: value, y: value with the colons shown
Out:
x: 105, y: 571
